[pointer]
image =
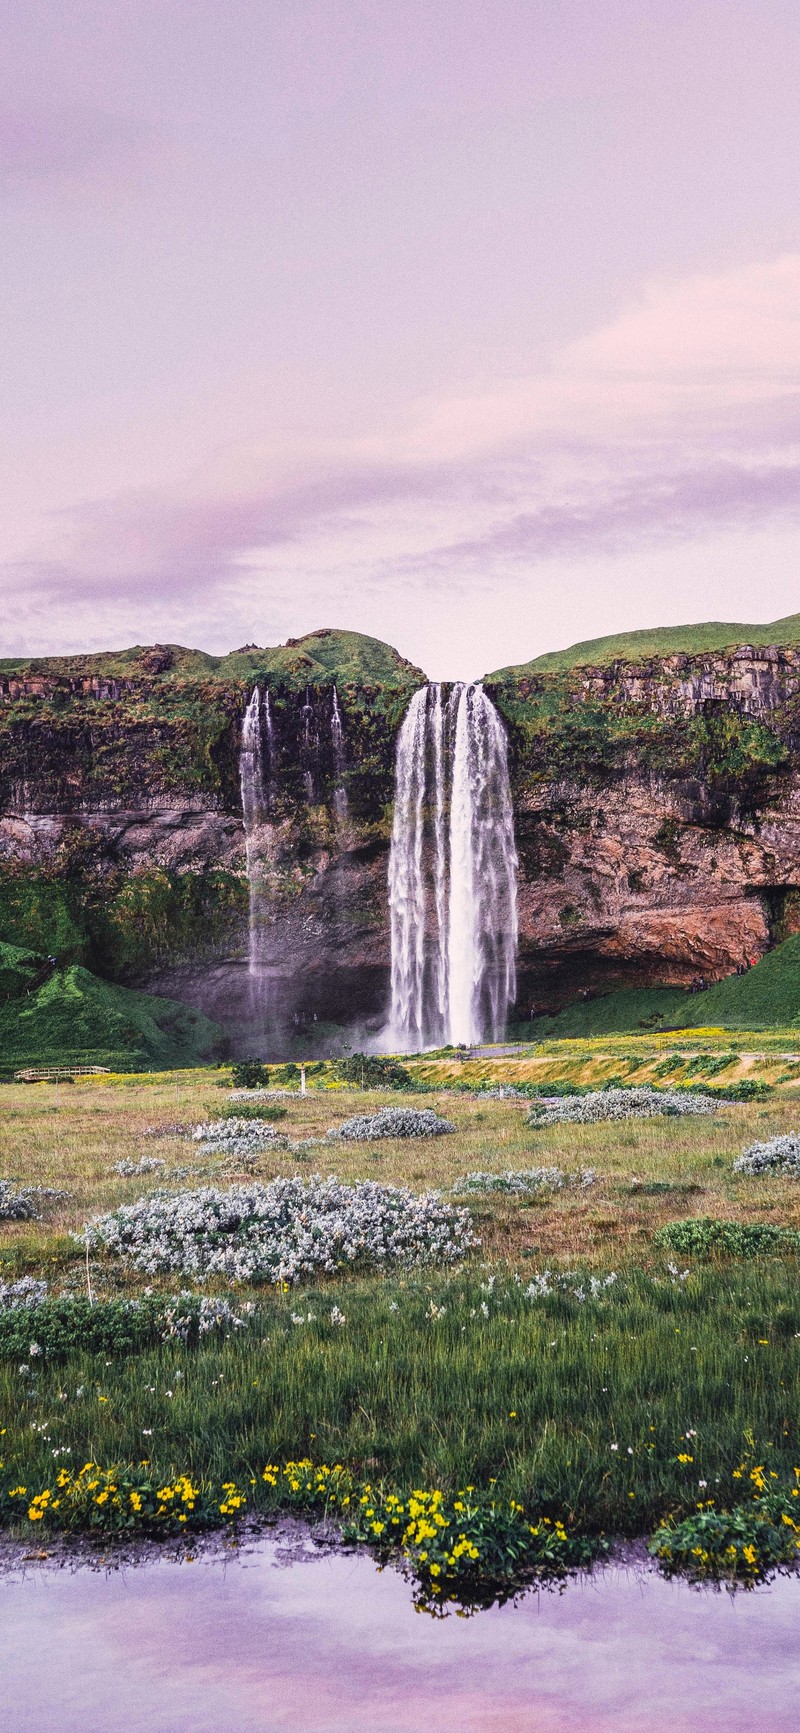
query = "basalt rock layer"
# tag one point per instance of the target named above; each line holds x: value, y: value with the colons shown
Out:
x: 656, y: 802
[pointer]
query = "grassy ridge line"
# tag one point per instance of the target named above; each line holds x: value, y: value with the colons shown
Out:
x: 320, y: 656
x: 656, y: 641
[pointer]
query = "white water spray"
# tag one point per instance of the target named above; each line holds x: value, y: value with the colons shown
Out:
x: 254, y: 777
x: 339, y: 762
x: 452, y: 873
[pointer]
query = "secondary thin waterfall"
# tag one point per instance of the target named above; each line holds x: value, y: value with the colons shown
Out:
x: 255, y: 774
x: 339, y: 761
x: 452, y: 872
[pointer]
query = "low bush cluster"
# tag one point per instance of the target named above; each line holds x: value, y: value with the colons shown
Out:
x: 747, y: 1089
x: 703, y: 1236
x: 392, y: 1122
x: 467, y: 1547
x: 133, y: 1169
x: 27, y: 1203
x: 744, y: 1544
x: 33, y: 1326
x: 236, y: 1137
x: 283, y: 1231
x: 373, y: 1071
x: 523, y: 1180
x: 638, y: 1103
x: 249, y: 1074
x: 253, y: 1109
x: 28, y: 1291
x: 778, y: 1155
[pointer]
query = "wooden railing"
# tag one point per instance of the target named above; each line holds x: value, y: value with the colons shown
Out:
x: 55, y: 1073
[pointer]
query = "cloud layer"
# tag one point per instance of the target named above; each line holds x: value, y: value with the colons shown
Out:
x: 676, y: 421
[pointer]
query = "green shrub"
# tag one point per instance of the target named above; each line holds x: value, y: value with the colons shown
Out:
x: 702, y: 1236
x: 249, y: 1074
x: 254, y: 1110
x: 372, y: 1071
x: 742, y: 1544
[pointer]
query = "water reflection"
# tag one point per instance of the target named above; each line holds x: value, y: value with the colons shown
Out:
x: 327, y: 1644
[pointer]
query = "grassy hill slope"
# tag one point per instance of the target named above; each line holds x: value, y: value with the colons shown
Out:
x: 658, y: 641
x: 319, y: 657
x: 768, y: 996
x: 74, y: 1018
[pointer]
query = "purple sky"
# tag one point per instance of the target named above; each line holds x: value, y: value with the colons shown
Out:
x: 472, y: 325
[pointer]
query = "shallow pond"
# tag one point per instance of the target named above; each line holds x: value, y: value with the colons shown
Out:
x: 277, y: 1636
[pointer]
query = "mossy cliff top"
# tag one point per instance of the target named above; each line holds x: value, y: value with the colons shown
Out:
x: 320, y: 658
x: 653, y: 643
x: 162, y: 725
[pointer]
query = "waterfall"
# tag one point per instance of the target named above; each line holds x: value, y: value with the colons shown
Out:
x: 339, y: 762
x: 251, y: 763
x: 452, y: 872
x: 256, y: 765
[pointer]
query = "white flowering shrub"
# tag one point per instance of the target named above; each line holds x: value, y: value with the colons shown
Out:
x: 576, y: 1286
x: 262, y: 1094
x: 210, y: 1316
x: 392, y: 1122
x: 523, y: 1180
x: 240, y: 1138
x: 502, y: 1092
x: 27, y: 1203
x: 600, y: 1104
x: 283, y: 1231
x: 27, y: 1292
x: 132, y: 1169
x: 779, y: 1155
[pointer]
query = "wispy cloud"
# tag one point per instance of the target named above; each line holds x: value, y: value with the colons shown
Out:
x: 64, y: 147
x: 679, y: 419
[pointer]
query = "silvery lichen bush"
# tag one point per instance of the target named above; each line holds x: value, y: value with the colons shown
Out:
x: 524, y: 1180
x: 283, y: 1231
x: 27, y: 1292
x: 134, y: 1169
x: 778, y: 1155
x: 392, y: 1122
x: 601, y: 1104
x: 236, y: 1137
x: 26, y: 1203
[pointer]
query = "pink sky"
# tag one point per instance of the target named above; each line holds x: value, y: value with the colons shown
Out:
x: 474, y: 326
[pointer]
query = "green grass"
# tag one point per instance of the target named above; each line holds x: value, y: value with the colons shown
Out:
x: 531, y: 1398
x: 657, y: 641
x: 434, y: 1380
x: 768, y: 995
x: 317, y: 658
x: 74, y: 1018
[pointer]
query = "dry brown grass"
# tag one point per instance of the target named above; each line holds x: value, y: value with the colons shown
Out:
x: 73, y: 1137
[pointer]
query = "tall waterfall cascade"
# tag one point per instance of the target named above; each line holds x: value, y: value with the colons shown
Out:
x: 322, y: 748
x: 340, y: 805
x: 452, y: 873
x: 255, y: 774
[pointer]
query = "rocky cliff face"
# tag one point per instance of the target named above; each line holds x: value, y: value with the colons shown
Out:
x: 657, y: 807
x: 658, y: 818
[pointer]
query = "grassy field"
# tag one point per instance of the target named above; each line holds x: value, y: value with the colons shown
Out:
x: 671, y: 1386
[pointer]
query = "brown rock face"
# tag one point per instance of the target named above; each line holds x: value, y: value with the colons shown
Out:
x: 632, y: 892
x: 657, y: 814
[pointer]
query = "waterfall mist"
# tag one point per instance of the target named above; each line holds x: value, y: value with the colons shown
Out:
x: 452, y: 873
